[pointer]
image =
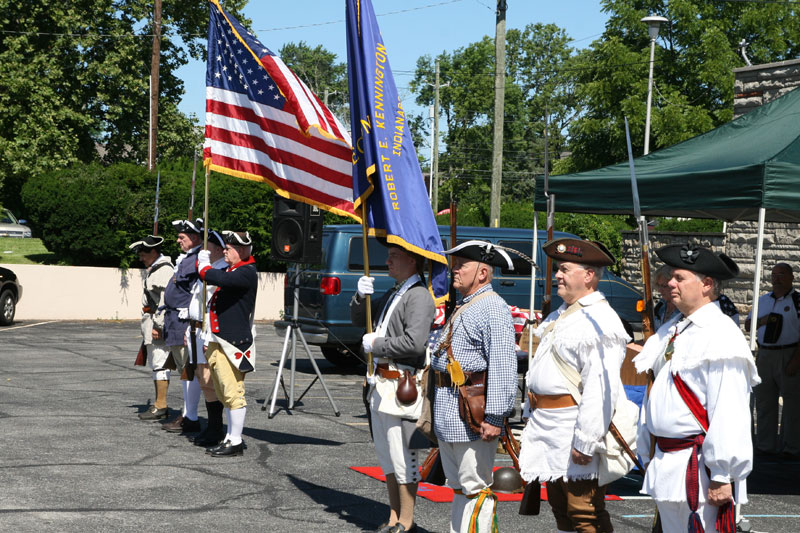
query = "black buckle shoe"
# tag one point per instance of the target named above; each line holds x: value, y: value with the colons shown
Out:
x: 228, y: 450
x: 219, y: 446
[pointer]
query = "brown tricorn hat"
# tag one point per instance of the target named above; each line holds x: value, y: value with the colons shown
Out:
x: 571, y: 250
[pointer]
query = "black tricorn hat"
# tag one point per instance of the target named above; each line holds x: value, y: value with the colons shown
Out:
x: 216, y: 238
x: 700, y: 260
x: 188, y: 226
x: 242, y: 238
x: 148, y: 243
x: 572, y: 250
x: 482, y: 251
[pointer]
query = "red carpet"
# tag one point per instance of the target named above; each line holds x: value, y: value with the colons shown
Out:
x: 435, y: 493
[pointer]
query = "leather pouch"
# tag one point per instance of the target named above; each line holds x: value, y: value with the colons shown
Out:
x: 772, y: 331
x: 432, y: 470
x: 141, y: 357
x: 406, y: 388
x: 472, y: 405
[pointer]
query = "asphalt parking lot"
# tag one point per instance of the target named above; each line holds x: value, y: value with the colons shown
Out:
x: 75, y: 457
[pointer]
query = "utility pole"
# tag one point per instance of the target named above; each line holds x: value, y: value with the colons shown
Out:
x: 430, y: 170
x: 499, y: 97
x: 154, y: 68
x: 435, y: 158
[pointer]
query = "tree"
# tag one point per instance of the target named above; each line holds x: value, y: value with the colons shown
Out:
x: 533, y: 87
x: 89, y: 214
x: 697, y: 50
x: 74, y: 76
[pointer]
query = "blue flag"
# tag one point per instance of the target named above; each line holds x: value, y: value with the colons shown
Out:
x: 387, y: 178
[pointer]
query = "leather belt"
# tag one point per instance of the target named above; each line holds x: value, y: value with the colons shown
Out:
x: 553, y: 401
x: 442, y: 379
x: 780, y: 347
x: 386, y: 373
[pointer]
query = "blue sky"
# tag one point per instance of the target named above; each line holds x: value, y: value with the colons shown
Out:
x: 410, y: 29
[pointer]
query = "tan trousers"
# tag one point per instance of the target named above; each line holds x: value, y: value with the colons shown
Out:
x: 228, y: 381
x: 579, y: 505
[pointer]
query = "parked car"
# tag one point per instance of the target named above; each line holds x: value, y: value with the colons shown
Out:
x: 325, y: 289
x: 11, y: 227
x: 10, y: 294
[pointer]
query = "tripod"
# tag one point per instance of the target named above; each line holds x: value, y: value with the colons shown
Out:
x: 294, y: 332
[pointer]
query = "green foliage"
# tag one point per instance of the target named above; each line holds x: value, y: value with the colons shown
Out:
x: 689, y: 225
x: 89, y: 214
x: 74, y: 76
x: 695, y: 54
x: 533, y: 88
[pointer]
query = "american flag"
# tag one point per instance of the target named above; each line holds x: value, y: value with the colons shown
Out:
x: 264, y: 124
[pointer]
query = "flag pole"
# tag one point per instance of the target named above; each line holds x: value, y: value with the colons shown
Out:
x: 368, y: 301
x: 205, y: 238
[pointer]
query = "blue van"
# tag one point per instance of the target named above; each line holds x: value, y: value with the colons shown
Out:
x: 325, y: 289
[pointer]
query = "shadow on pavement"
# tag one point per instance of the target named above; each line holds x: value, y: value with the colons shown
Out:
x: 361, y: 512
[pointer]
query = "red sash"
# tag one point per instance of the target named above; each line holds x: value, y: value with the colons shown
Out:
x: 726, y: 521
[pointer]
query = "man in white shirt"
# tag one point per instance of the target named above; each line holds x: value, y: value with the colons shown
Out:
x: 563, y: 438
x: 698, y: 409
x: 778, y: 362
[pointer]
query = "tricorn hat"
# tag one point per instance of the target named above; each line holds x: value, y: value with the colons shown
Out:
x: 572, y: 250
x: 148, y: 243
x: 242, y: 238
x: 188, y: 226
x: 216, y: 238
x: 700, y: 260
x: 482, y: 251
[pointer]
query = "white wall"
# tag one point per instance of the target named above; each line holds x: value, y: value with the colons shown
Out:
x: 90, y: 293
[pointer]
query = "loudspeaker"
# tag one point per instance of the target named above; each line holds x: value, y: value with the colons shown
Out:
x: 296, y: 231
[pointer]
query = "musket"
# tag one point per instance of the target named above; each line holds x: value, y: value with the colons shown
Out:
x: 451, y: 300
x: 646, y: 309
x: 155, y: 216
x: 551, y: 215
x: 191, y: 366
x: 646, y: 306
x: 194, y: 178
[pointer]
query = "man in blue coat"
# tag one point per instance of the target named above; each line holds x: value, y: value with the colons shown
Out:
x: 177, y: 296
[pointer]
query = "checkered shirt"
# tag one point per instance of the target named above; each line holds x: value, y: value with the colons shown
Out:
x: 483, y: 336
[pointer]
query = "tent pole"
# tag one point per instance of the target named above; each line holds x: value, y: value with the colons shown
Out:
x: 757, y: 278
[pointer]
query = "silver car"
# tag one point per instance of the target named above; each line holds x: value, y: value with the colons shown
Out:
x: 11, y: 227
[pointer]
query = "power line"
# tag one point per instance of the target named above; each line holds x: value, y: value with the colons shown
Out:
x: 166, y: 26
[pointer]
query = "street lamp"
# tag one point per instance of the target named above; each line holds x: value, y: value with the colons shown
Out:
x: 653, y: 25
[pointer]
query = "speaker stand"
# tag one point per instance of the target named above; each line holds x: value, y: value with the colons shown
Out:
x: 294, y: 332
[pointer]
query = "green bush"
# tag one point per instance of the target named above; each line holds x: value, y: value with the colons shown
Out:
x: 89, y: 214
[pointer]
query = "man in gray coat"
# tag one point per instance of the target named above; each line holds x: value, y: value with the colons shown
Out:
x: 402, y: 320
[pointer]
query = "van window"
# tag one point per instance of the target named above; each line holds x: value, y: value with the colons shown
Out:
x: 377, y: 255
x: 521, y: 266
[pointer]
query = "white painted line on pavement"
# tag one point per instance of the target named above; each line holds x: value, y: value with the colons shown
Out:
x: 27, y: 325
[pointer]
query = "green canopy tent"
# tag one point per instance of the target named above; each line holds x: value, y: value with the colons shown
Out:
x: 727, y: 173
x: 747, y: 169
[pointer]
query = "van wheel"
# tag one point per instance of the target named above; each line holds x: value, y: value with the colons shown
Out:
x: 341, y: 356
x: 8, y: 307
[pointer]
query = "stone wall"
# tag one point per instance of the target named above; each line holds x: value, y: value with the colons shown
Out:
x: 781, y: 244
x: 758, y: 84
x: 631, y: 269
x: 754, y: 86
